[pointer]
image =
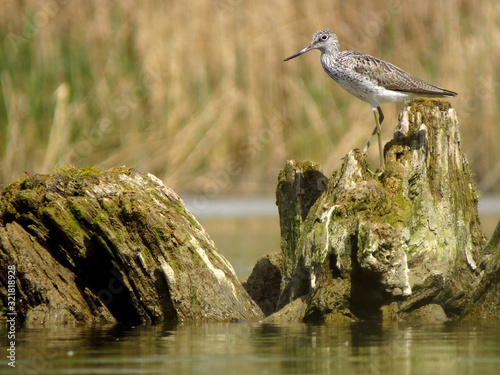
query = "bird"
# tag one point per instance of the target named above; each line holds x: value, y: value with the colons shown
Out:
x: 370, y: 79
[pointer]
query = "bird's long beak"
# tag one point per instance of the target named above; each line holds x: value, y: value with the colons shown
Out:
x: 307, y: 49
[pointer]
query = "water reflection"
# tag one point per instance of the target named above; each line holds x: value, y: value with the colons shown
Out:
x: 352, y: 348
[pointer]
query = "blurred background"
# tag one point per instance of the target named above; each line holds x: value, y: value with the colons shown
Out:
x: 197, y: 93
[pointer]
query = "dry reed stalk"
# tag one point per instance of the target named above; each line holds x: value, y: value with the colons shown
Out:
x: 57, y: 152
x: 13, y: 142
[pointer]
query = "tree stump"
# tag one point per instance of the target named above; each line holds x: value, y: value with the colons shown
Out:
x: 485, y: 303
x: 111, y: 246
x: 385, y: 246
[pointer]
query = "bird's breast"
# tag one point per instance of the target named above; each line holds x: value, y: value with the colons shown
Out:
x: 348, y: 79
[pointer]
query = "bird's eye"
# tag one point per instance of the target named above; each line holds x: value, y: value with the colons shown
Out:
x: 324, y: 37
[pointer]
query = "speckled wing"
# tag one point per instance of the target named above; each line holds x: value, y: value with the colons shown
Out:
x: 390, y: 76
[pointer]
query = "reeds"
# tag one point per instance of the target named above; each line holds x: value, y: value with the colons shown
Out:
x: 197, y: 92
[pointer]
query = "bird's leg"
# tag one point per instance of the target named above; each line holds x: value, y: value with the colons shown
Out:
x: 380, y: 115
x: 379, y: 134
x: 365, y: 149
x: 378, y: 131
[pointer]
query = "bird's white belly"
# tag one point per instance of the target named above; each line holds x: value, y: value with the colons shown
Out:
x: 368, y: 91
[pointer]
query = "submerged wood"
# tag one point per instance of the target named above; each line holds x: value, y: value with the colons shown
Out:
x: 111, y: 246
x: 405, y: 242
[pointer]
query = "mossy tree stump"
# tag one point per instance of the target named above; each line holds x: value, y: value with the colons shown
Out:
x: 485, y: 303
x: 111, y: 246
x: 388, y: 245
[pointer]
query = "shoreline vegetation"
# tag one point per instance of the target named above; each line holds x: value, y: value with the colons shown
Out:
x: 197, y: 93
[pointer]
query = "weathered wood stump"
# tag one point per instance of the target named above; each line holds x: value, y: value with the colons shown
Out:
x: 405, y: 242
x: 112, y: 246
x: 485, y: 303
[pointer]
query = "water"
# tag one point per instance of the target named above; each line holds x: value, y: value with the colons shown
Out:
x: 241, y: 348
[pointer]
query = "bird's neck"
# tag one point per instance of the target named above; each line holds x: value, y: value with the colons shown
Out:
x: 331, y: 50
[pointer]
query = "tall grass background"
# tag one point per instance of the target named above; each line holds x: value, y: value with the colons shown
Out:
x: 197, y: 93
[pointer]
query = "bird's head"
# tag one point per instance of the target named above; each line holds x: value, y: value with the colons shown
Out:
x: 323, y: 40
